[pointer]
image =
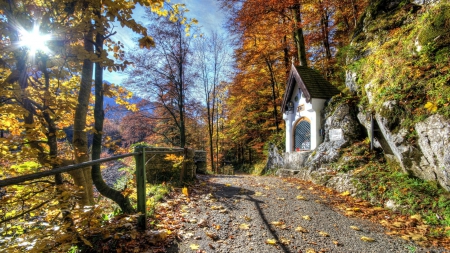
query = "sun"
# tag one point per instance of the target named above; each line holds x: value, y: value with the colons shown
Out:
x: 34, y: 40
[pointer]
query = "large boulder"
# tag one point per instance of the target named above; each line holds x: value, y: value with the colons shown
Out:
x: 341, y: 118
x: 434, y: 142
x: 274, y: 159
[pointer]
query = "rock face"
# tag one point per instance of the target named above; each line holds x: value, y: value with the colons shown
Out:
x: 274, y: 160
x: 420, y: 149
x: 342, y: 119
x: 434, y: 142
x: 341, y: 130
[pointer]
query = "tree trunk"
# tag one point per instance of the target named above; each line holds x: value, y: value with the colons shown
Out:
x: 298, y: 36
x: 82, y: 177
x: 211, y: 133
x: 274, y: 98
x: 102, y: 187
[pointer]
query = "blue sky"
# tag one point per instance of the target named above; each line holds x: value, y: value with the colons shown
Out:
x: 207, y: 12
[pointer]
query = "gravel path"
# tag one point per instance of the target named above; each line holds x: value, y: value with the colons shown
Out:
x: 268, y: 214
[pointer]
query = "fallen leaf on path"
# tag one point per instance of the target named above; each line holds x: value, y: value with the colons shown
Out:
x: 325, y: 234
x: 216, y: 207
x: 300, y: 197
x: 212, y: 235
x: 247, y: 218
x: 306, y: 217
x: 336, y: 243
x: 258, y: 194
x: 185, y: 191
x: 309, y: 250
x: 398, y: 224
x: 277, y: 223
x: 285, y: 241
x: 355, y: 228
x: 418, y: 237
x: 281, y: 198
x: 244, y: 226
x: 367, y: 239
x: 299, y: 187
x: 310, y: 188
x: 194, y: 246
x: 301, y: 229
x: 271, y: 241
x: 346, y: 193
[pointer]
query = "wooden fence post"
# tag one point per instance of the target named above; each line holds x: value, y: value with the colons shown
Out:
x: 140, y: 185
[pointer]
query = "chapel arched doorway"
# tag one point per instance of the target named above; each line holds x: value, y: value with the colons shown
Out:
x: 302, y: 135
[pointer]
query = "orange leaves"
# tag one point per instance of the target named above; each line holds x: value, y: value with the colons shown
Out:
x: 146, y: 42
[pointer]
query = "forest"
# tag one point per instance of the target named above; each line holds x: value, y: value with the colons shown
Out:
x: 182, y: 87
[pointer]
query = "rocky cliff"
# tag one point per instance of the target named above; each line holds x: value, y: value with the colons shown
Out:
x: 398, y: 90
x: 399, y: 66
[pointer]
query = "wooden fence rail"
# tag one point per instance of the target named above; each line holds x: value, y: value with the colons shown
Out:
x: 139, y: 155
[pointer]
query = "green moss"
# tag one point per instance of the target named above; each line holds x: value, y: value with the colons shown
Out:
x: 399, y: 73
x: 436, y: 30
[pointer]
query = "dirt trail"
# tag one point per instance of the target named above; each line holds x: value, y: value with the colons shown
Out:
x: 268, y: 214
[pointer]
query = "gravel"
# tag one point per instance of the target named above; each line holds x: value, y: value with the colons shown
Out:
x: 220, y: 205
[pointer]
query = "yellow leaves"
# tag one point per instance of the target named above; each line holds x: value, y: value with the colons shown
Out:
x: 355, y: 228
x: 217, y: 207
x: 346, y: 193
x: 194, y: 246
x: 417, y: 217
x: 227, y: 185
x: 306, y: 217
x: 300, y: 197
x: 431, y: 107
x: 279, y: 224
x: 271, y: 241
x: 185, y: 191
x: 146, y: 42
x: 324, y: 234
x: 301, y: 229
x: 367, y: 239
x: 285, y: 241
x: 244, y: 226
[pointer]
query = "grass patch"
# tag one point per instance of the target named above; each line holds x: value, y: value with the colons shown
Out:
x: 379, y: 180
x: 383, y: 182
x: 155, y: 193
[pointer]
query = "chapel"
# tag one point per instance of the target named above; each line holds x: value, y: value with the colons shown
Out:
x: 306, y: 94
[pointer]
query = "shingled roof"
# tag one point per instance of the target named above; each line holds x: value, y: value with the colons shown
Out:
x: 311, y: 82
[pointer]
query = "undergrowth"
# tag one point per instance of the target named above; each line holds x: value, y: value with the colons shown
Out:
x: 379, y: 181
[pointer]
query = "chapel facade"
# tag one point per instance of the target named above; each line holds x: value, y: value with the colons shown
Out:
x: 305, y: 97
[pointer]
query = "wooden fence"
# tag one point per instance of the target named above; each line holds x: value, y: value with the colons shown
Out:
x: 140, y: 159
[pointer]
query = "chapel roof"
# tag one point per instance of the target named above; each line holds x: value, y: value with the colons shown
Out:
x: 311, y: 82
